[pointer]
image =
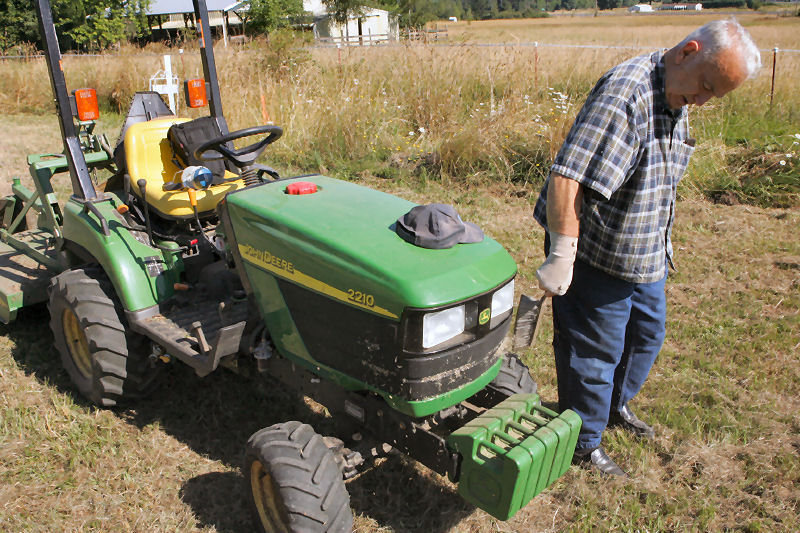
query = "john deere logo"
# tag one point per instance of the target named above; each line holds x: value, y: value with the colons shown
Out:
x: 484, y: 317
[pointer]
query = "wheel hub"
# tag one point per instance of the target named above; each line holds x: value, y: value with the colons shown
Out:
x: 77, y: 344
x: 266, y: 500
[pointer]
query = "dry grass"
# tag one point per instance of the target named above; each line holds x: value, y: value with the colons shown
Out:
x: 722, y: 395
x: 462, y: 112
x: 623, y: 29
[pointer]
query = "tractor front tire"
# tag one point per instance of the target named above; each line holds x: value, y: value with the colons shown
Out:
x: 294, y: 482
x: 106, y: 362
x: 514, y: 377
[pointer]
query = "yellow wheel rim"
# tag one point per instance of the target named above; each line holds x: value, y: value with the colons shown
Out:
x: 265, y: 497
x: 77, y: 344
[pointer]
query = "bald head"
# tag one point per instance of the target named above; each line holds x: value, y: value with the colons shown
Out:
x: 726, y: 36
x: 710, y: 62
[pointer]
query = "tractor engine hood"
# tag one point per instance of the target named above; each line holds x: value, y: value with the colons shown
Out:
x: 340, y: 241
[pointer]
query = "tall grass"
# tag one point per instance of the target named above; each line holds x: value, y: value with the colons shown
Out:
x: 461, y: 113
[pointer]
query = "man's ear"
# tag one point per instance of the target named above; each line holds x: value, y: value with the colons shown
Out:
x: 686, y: 51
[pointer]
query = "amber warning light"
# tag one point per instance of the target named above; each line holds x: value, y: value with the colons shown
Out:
x: 86, y: 104
x: 195, y: 92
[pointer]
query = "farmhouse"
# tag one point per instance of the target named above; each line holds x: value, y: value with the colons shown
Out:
x: 166, y: 17
x: 681, y: 7
x: 370, y: 26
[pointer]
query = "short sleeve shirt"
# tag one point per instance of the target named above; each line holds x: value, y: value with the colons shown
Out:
x: 628, y: 150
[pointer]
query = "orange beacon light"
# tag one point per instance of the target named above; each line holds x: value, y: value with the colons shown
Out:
x: 86, y: 104
x: 195, y: 92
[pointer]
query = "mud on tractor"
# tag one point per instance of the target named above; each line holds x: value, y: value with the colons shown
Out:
x: 193, y: 253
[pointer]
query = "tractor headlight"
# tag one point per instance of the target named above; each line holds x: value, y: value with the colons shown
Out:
x: 443, y: 325
x: 503, y: 300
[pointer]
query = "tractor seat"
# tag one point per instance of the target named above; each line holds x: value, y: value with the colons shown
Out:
x: 149, y: 156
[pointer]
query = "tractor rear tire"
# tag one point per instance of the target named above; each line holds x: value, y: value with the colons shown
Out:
x: 514, y: 377
x: 106, y: 362
x: 293, y: 481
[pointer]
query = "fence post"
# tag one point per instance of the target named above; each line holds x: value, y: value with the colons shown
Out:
x: 772, y: 87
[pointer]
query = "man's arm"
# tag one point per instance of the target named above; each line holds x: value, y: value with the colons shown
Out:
x: 564, y: 198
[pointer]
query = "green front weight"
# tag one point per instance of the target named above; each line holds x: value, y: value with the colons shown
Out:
x: 512, y: 452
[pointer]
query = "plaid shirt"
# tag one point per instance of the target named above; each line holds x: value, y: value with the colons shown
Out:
x: 628, y: 150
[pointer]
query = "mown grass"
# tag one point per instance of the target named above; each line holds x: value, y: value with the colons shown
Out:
x: 722, y: 394
x: 722, y: 397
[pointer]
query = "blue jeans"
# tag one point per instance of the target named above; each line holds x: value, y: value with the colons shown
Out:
x: 607, y: 334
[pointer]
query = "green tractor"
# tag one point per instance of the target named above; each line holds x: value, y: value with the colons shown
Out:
x: 192, y: 252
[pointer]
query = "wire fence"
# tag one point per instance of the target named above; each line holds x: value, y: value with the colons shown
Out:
x: 326, y: 42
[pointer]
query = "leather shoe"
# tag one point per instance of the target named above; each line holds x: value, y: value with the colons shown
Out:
x: 597, y: 459
x: 628, y: 421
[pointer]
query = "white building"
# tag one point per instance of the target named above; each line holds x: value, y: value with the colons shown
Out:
x: 641, y: 8
x: 369, y: 27
x: 682, y: 7
x: 175, y: 14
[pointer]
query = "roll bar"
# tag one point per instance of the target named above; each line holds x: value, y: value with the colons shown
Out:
x: 79, y: 172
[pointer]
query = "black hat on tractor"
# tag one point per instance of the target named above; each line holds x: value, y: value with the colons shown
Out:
x: 436, y: 226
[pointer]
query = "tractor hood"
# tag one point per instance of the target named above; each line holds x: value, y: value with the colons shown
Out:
x: 340, y: 241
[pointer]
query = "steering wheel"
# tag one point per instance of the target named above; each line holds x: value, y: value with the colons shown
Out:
x: 215, y: 149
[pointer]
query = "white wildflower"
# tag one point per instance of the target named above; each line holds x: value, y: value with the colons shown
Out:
x: 411, y: 133
x: 421, y: 130
x: 782, y: 162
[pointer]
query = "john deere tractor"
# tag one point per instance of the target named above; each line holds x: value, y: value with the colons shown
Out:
x: 194, y: 253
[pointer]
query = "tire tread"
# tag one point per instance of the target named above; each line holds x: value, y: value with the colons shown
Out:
x: 310, y: 484
x: 118, y: 371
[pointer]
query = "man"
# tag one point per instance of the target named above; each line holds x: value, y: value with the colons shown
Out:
x: 608, y: 208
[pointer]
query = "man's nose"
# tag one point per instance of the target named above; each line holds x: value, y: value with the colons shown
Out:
x: 701, y: 99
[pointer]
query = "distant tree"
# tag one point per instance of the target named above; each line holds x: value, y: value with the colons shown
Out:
x: 265, y: 16
x: 484, y: 9
x: 18, y: 23
x: 343, y: 10
x: 89, y: 24
x: 608, y: 4
x: 98, y: 24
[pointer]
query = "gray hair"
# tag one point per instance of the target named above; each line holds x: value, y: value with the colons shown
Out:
x: 721, y: 35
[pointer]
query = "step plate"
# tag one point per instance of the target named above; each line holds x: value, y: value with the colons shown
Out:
x: 512, y: 452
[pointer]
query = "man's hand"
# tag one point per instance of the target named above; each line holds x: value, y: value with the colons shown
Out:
x: 555, y: 274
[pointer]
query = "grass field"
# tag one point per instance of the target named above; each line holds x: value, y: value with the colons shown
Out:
x: 622, y: 29
x: 723, y: 394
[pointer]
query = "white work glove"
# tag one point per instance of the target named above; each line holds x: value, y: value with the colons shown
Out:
x: 555, y: 274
